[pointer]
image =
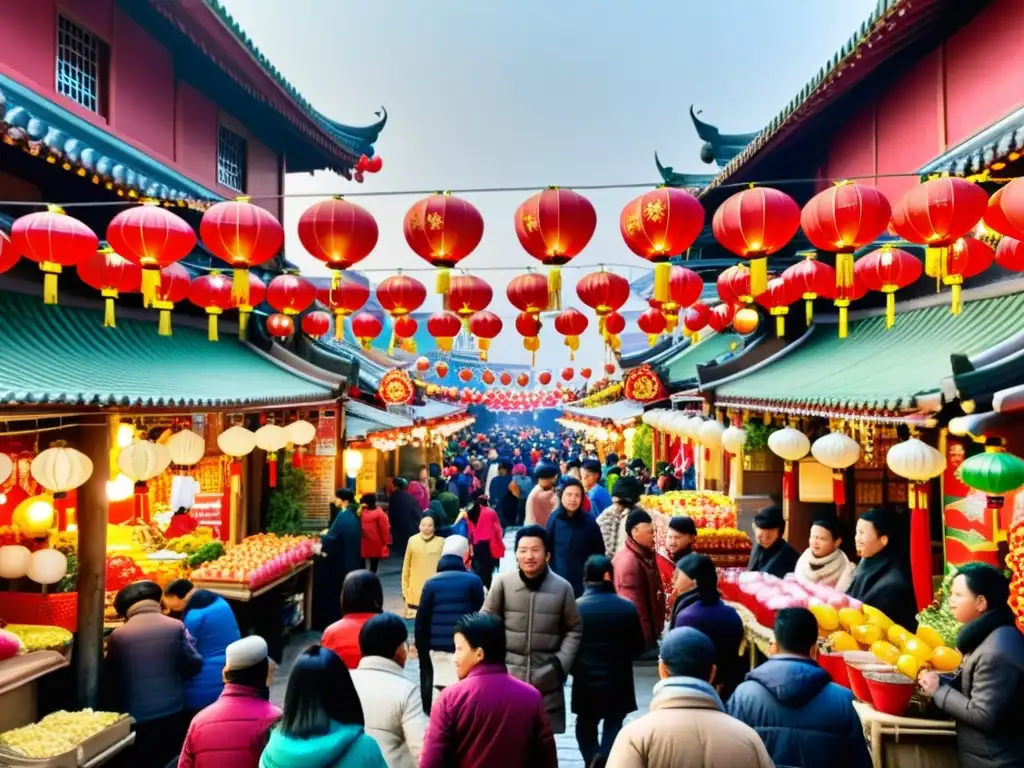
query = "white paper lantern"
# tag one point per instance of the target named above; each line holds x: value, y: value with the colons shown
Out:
x: 14, y: 561
x: 710, y: 434
x: 300, y: 432
x: 236, y: 442
x: 186, y: 448
x: 789, y: 444
x: 649, y: 418
x: 271, y: 438
x: 60, y: 469
x: 692, y: 426
x: 143, y: 460
x: 120, y: 488
x: 915, y: 460
x: 47, y: 566
x: 676, y: 425
x: 836, y: 450
x: 733, y: 439
x: 6, y: 467
x: 353, y: 461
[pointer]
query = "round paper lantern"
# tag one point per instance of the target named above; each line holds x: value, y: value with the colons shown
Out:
x: 586, y: 373
x: 339, y: 233
x: 523, y: 379
x: 755, y: 223
x: 271, y: 438
x: 280, y: 326
x: 366, y: 328
x: 692, y: 426
x: 968, y: 257
x: 733, y: 285
x: 34, y: 516
x: 300, y: 432
x: 661, y: 224
x: 887, y: 270
x: 1010, y: 254
x: 733, y: 439
x: 790, y: 445
x: 441, y: 369
x: 677, y: 424
x: 487, y: 377
x: 567, y: 374
x: 290, y: 294
x: 14, y: 561
x: 175, y: 283
x: 528, y: 326
x: 614, y: 324
x: 444, y: 327
x: 422, y: 364
x: 47, y: 566
x: 528, y: 293
x: 684, y: 288
x: 836, y: 450
x: 1011, y: 205
x: 571, y: 323
x: 506, y: 379
x: 186, y: 448
x: 53, y: 240
x: 652, y: 322
x: 465, y: 375
x: 443, y: 230
x: 720, y: 317
x: 243, y: 235
x: 344, y: 299
x: 915, y: 460
x: 60, y: 468
x: 811, y: 279
x: 776, y: 299
x: 604, y: 292
x: 143, y: 460
x: 696, y: 319
x: 317, y: 324
x: 994, y: 472
x: 9, y: 255
x: 236, y: 441
x: 995, y: 219
x: 710, y: 434
x: 544, y: 378
x: 212, y: 292
x: 6, y: 467
x: 257, y: 294
x: 468, y: 294
x: 745, y: 321
x: 485, y: 326
x: 401, y: 295
x: 111, y: 275
x: 151, y: 237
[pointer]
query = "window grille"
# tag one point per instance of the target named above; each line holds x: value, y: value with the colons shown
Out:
x: 231, y: 160
x: 80, y: 65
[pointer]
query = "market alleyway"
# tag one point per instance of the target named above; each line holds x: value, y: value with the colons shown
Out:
x: 391, y: 576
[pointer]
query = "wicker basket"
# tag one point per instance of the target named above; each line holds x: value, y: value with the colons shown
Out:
x: 59, y: 609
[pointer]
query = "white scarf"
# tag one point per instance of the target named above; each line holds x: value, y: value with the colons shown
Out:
x: 836, y: 570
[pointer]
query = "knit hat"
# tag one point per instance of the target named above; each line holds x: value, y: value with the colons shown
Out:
x: 627, y: 490
x: 770, y: 518
x: 456, y: 545
x: 592, y: 465
x: 245, y: 653
x: 683, y: 524
x: 635, y: 518
x: 688, y: 651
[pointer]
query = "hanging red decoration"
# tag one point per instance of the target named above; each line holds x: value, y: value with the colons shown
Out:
x: 107, y: 272
x: 485, y: 326
x: 523, y: 379
x: 9, y: 255
x: 441, y: 369
x: 400, y: 296
x: 528, y: 326
x: 211, y: 292
x: 586, y: 373
x: 696, y: 319
x: 745, y: 321
x: 465, y: 375
x: 1010, y: 254
x: 344, y: 299
x: 240, y: 233
x: 257, y: 294
x: 544, y: 378
x: 658, y: 225
x: 291, y: 294
x: 444, y: 327
x: 404, y: 330
x: 554, y: 226
x: 528, y: 293
x: 422, y: 364
x: 754, y: 224
x: 887, y: 270
x: 280, y: 326
x: 443, y: 230
x: 567, y: 374
x: 571, y: 323
x: 173, y: 288
x: 339, y: 233
x: 720, y: 317
x: 845, y: 295
x: 506, y: 378
x: 396, y: 388
x: 968, y: 257
x: 1011, y: 205
x: 604, y: 292
x: 811, y: 279
x: 614, y: 324
x: 487, y: 377
x: 468, y: 294
x: 642, y: 385
x: 684, y: 288
x: 53, y: 240
x: 733, y: 285
x: 995, y: 219
x: 366, y: 328
x: 652, y: 322
x: 776, y: 300
x: 316, y: 324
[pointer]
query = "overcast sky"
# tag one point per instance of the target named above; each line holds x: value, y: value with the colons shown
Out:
x: 536, y: 92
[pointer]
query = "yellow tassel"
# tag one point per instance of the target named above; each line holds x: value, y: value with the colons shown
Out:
x: 164, y: 326
x: 780, y: 325
x: 150, y: 286
x: 662, y: 273
x: 615, y: 342
x: 758, y: 276
x: 109, y: 320
x: 444, y: 343
x: 51, y: 270
x: 443, y: 283
x: 211, y: 325
x: 240, y: 286
x: 844, y: 317
x: 957, y: 303
x: 844, y: 270
x: 809, y: 311
x: 365, y: 343
x: 554, y: 289
x: 339, y: 326
x: 573, y: 343
x: 391, y: 342
x: 652, y: 339
x: 890, y: 309
x: 335, y: 279
x: 932, y: 261
x: 243, y: 322
x: 670, y: 322
x: 601, y: 324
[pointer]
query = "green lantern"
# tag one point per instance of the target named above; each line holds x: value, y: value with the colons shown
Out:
x: 994, y: 472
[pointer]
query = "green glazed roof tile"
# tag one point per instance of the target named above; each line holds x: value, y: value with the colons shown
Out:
x: 879, y: 369
x: 64, y: 355
x: 683, y: 366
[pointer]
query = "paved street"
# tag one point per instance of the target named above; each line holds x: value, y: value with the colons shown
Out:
x: 390, y: 572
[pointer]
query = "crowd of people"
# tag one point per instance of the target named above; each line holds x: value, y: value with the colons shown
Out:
x: 600, y: 584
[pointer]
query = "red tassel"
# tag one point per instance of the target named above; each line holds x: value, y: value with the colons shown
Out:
x: 60, y: 506
x: 297, y: 459
x: 838, y: 489
x: 788, y: 491
x: 707, y: 454
x: 235, y: 469
x: 272, y: 465
x: 920, y: 545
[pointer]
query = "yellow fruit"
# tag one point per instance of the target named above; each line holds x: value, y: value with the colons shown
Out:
x: 946, y: 659
x: 866, y: 634
x: 876, y: 617
x: 885, y: 652
x: 930, y: 636
x: 842, y: 641
x: 897, y: 635
x: 827, y: 616
x: 909, y: 665
x: 850, y: 617
x: 919, y: 648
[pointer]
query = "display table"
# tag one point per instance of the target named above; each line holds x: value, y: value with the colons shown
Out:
x: 756, y: 637
x: 243, y: 593
x: 908, y: 742
x: 19, y: 686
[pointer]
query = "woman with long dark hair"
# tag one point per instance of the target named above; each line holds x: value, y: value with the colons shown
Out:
x: 880, y: 578
x: 362, y: 598
x: 322, y: 723
x: 485, y: 534
x: 376, y: 531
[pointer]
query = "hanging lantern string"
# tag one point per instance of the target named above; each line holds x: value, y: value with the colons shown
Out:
x: 495, y: 190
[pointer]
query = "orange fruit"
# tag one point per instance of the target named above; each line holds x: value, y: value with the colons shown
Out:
x: 827, y: 616
x: 842, y: 641
x: 909, y: 665
x: 946, y: 659
x: 919, y: 648
x: 930, y: 636
x: 850, y: 617
x: 866, y: 634
x: 875, y: 616
x: 897, y: 635
x: 885, y: 652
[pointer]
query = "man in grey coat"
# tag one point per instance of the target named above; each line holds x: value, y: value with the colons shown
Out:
x: 543, y: 629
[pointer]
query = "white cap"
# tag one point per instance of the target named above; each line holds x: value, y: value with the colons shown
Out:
x: 246, y: 653
x: 456, y: 545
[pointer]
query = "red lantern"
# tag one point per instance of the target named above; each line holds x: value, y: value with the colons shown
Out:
x: 485, y: 326
x: 465, y: 375
x: 468, y: 294
x: 53, y: 240
x: 776, y: 300
x: 745, y: 321
x: 280, y: 326
x: 968, y: 257
x: 652, y: 322
x: 721, y: 317
x: 365, y: 327
x: 211, y: 292
x: 404, y: 329
x: 422, y: 364
x: 444, y: 327
x: 109, y: 273
x: 443, y: 230
x: 554, y: 226
x: 316, y: 324
x: 733, y: 285
x: 544, y: 378
x: 528, y: 293
x: 845, y: 295
x: 609, y: 368
x: 523, y: 379
x: 8, y: 254
x: 887, y: 270
x: 173, y: 288
x: 339, y: 233
x: 506, y: 378
x: 487, y: 377
x: 1010, y: 254
x: 567, y: 374
x: 604, y: 292
x: 571, y: 323
x: 290, y: 294
x: 441, y: 369
x: 843, y: 219
x: 257, y: 294
x: 586, y: 373
x: 995, y: 219
x: 614, y: 324
x: 684, y: 288
x: 659, y: 225
x: 343, y: 299
x: 696, y: 318
x: 754, y: 224
x: 811, y: 278
x: 400, y: 296
x: 528, y: 326
x: 242, y: 234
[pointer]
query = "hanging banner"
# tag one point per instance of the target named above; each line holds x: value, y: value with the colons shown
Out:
x: 327, y: 432
x: 970, y: 529
x: 210, y: 511
x: 396, y: 388
x: 642, y: 385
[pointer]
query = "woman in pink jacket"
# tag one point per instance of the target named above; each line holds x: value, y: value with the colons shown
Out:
x: 486, y: 536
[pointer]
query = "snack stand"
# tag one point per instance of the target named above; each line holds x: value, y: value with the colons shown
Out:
x: 908, y: 742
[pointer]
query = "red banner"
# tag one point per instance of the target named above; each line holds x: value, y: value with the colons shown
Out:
x: 210, y: 510
x: 970, y: 528
x: 642, y: 385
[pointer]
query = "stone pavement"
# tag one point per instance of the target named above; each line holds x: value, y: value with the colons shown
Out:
x: 391, y: 578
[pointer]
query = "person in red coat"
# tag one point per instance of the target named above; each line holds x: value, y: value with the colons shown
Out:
x: 362, y: 598
x: 637, y: 578
x: 182, y: 524
x: 376, y: 529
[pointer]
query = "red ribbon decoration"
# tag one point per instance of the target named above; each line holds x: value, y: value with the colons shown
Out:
x: 788, y: 486
x: 839, y: 489
x: 141, y: 502
x: 272, y: 469
x: 920, y: 545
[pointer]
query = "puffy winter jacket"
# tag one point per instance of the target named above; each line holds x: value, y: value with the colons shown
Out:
x: 343, y: 746
x: 803, y: 717
x: 342, y: 637
x: 231, y: 731
x: 376, y: 533
x: 447, y: 596
x: 212, y: 625
x: 571, y: 540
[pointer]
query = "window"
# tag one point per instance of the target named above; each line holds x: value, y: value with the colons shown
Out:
x: 82, y: 66
x: 231, y: 160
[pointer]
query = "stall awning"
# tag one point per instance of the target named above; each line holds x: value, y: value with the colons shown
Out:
x: 877, y: 368
x: 433, y: 409
x: 60, y: 355
x: 683, y: 366
x: 618, y: 413
x: 362, y: 420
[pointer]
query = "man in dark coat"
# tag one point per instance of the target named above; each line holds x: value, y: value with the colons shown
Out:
x: 573, y: 536
x: 503, y: 502
x: 404, y: 514
x: 602, y: 674
x: 637, y: 578
x: 771, y: 553
x: 342, y: 553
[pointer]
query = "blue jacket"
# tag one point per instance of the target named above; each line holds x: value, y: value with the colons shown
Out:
x: 571, y: 540
x: 803, y: 717
x: 447, y: 596
x: 211, y: 623
x: 600, y: 499
x: 343, y: 746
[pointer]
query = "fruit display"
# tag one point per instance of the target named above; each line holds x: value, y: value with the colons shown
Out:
x: 191, y: 543
x: 41, y: 638
x: 938, y: 616
x: 707, y: 508
x: 1015, y: 562
x: 727, y: 547
x: 57, y: 733
x: 257, y: 560
x: 209, y: 552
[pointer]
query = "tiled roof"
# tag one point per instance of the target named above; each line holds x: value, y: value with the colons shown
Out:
x: 60, y: 355
x: 622, y: 411
x: 683, y: 366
